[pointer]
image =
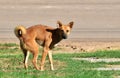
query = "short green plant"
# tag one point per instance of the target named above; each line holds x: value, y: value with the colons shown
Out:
x: 11, y: 64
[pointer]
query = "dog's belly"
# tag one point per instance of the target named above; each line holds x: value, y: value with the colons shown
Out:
x: 40, y: 42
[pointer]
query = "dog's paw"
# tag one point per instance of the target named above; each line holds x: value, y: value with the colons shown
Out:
x: 52, y: 69
x: 41, y: 69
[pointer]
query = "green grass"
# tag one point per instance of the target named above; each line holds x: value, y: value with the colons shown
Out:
x: 11, y: 65
x: 101, y: 53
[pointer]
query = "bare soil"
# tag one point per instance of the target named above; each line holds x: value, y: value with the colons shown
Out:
x: 87, y: 46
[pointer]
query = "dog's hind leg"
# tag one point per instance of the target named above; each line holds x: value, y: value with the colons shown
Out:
x: 26, y: 56
x: 32, y: 46
x: 35, y: 56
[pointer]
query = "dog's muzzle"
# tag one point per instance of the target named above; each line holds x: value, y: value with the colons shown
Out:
x: 64, y: 36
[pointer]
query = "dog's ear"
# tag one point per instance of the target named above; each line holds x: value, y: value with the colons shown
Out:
x: 59, y: 23
x: 71, y: 24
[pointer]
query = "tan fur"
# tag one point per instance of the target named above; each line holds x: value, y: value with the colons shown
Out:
x: 20, y: 27
x: 42, y: 35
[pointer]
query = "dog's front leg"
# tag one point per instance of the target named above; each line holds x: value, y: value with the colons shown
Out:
x: 50, y: 59
x: 45, y: 52
x: 43, y: 58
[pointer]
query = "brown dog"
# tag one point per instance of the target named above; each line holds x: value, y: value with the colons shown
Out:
x: 42, y: 35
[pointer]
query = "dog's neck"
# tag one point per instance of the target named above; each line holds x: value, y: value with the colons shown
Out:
x: 56, y: 37
x: 56, y: 34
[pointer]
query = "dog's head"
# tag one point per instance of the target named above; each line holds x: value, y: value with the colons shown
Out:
x: 65, y: 29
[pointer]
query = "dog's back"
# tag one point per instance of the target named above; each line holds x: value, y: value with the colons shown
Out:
x: 33, y: 32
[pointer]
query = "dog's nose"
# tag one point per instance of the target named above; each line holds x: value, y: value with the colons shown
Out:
x: 64, y: 36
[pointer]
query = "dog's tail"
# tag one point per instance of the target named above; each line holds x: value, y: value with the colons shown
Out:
x: 20, y: 31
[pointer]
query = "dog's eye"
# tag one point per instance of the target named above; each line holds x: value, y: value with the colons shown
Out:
x: 67, y: 30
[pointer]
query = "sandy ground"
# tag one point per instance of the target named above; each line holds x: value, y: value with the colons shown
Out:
x: 75, y: 45
x: 87, y: 46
